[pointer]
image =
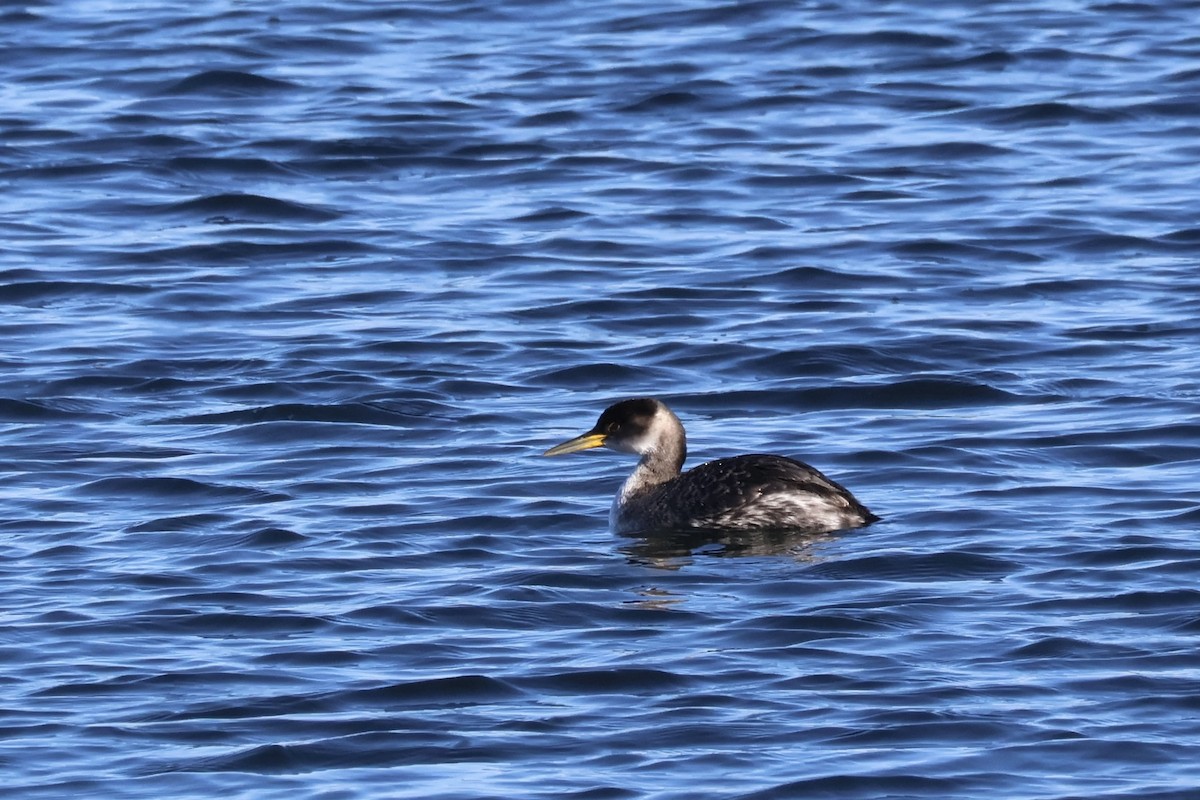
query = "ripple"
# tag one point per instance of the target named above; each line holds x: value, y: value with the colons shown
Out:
x: 360, y: 413
x: 227, y: 82
x: 228, y: 208
x: 921, y: 567
x: 169, y: 488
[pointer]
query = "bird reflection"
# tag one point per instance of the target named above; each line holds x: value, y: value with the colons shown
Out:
x: 674, y: 549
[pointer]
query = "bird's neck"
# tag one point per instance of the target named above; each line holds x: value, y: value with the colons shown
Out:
x: 659, y: 464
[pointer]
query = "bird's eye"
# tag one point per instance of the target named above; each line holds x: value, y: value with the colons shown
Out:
x: 613, y: 427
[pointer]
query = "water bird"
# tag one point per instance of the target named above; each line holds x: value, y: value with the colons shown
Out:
x: 742, y: 493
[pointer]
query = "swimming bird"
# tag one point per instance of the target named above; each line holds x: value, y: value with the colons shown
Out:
x: 742, y: 493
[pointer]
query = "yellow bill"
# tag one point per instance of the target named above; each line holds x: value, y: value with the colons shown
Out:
x: 585, y: 442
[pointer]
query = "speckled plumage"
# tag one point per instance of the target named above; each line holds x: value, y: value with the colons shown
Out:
x: 750, y: 492
x: 743, y: 493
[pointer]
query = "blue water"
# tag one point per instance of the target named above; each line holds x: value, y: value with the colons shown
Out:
x: 293, y: 297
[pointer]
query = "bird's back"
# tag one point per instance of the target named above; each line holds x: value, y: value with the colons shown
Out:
x: 749, y: 492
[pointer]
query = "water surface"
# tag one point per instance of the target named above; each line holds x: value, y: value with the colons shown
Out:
x: 292, y: 299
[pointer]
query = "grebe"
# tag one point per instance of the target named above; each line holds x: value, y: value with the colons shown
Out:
x: 743, y: 493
